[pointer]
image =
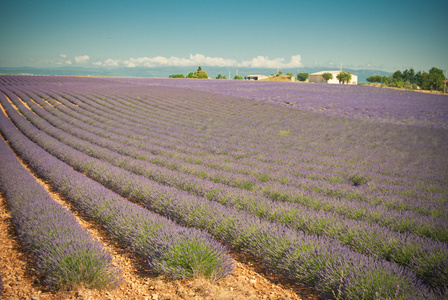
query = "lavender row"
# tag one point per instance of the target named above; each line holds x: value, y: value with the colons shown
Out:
x: 314, y: 260
x: 435, y: 228
x: 65, y: 254
x: 247, y: 181
x: 168, y: 248
x: 358, y: 102
x: 382, y: 190
x: 416, y: 253
x: 127, y: 107
x: 402, y: 204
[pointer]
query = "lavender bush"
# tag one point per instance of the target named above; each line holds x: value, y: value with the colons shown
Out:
x: 65, y: 254
x: 243, y: 231
x: 359, y: 102
x: 168, y: 247
x: 423, y: 256
x: 418, y: 207
x: 376, y: 187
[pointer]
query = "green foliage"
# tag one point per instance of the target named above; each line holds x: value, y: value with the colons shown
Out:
x: 397, y: 76
x: 397, y: 84
x: 201, y: 74
x: 194, y: 257
x: 409, y: 75
x: 436, y: 78
x: 375, y: 78
x: 327, y: 76
x: 344, y: 77
x: 302, y: 76
x: 198, y: 74
x: 221, y: 76
x: 407, y: 85
x: 237, y: 77
x: 358, y: 179
x: 176, y: 76
x: 409, y: 79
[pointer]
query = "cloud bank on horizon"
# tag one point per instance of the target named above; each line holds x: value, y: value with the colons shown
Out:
x: 192, y: 60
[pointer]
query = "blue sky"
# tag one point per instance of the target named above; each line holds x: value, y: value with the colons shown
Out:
x: 381, y: 35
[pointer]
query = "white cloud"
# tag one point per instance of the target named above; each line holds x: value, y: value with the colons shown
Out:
x: 195, y: 60
x: 262, y: 62
x: 68, y: 62
x: 62, y: 55
x: 265, y: 62
x: 81, y: 59
x: 296, y: 61
x: 200, y: 59
x: 130, y: 64
x: 108, y: 63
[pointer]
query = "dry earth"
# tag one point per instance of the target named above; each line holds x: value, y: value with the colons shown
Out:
x: 250, y: 280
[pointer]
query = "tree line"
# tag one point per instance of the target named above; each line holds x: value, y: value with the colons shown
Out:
x: 201, y: 74
x: 198, y: 74
x: 432, y: 80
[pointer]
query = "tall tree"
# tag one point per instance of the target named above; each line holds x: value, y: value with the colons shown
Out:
x: 327, y: 76
x: 436, y: 78
x: 344, y: 77
x: 397, y: 76
x: 409, y: 75
x: 374, y: 78
x: 302, y: 76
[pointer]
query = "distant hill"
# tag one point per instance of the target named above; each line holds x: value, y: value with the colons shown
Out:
x: 166, y: 71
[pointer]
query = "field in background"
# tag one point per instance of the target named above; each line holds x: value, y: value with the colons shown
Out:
x: 344, y: 188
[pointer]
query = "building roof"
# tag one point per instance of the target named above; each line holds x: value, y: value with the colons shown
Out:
x: 322, y: 72
x: 332, y: 72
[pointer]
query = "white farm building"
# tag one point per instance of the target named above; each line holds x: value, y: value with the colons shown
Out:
x: 317, y: 77
x: 256, y: 77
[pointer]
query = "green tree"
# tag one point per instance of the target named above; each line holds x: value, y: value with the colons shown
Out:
x: 407, y: 85
x: 397, y: 76
x: 302, y: 76
x: 375, y: 78
x: 176, y: 76
x: 344, y: 77
x: 396, y: 80
x: 327, y: 76
x: 237, y: 77
x: 409, y: 75
x: 200, y: 73
x: 422, y: 79
x: 436, y: 78
x: 191, y: 75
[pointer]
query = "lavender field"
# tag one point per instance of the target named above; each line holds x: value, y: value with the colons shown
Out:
x: 359, y: 102
x: 343, y: 188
